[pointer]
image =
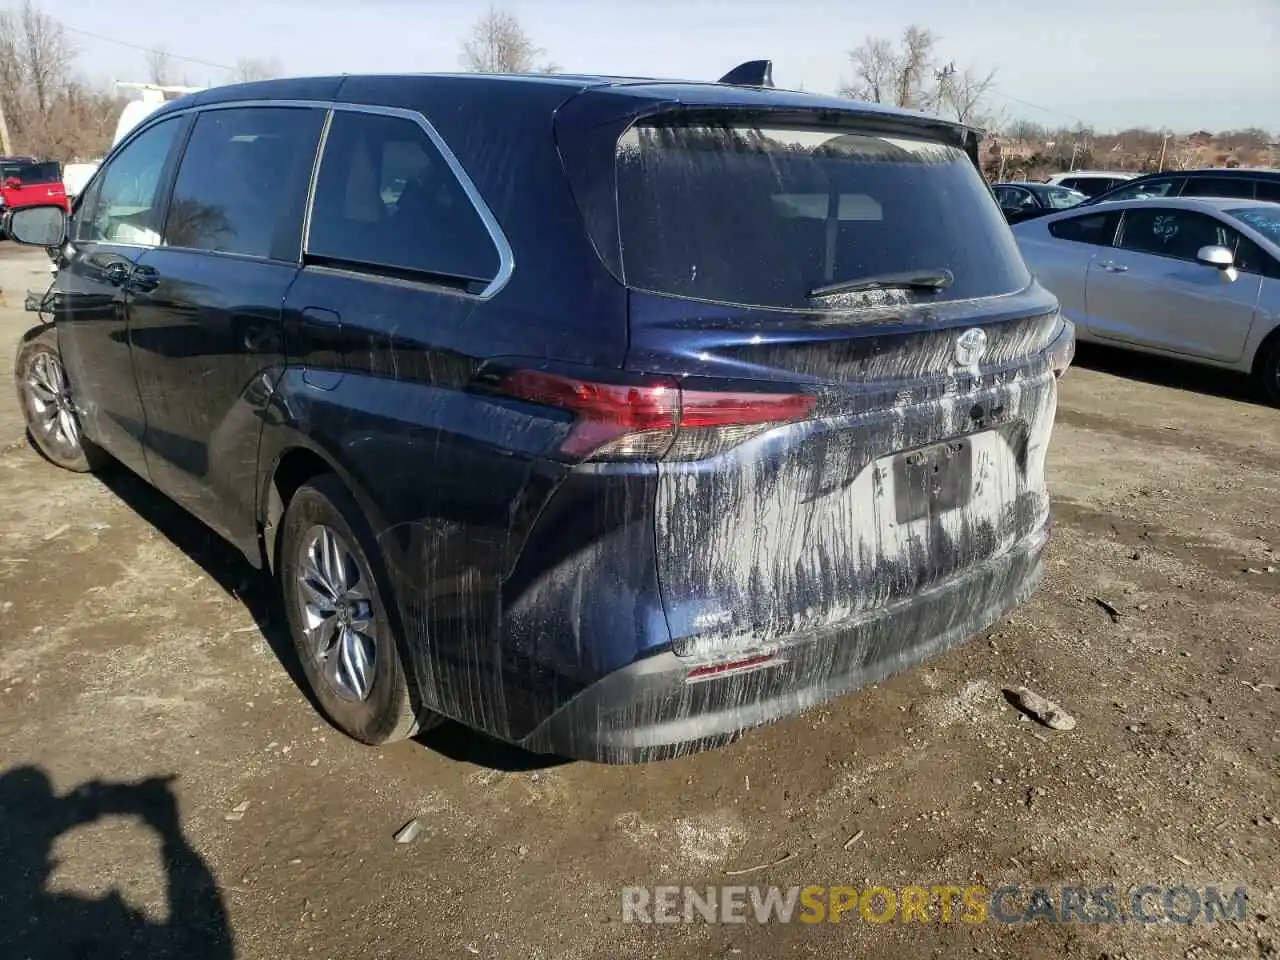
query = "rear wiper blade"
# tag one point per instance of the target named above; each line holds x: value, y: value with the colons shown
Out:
x: 931, y: 281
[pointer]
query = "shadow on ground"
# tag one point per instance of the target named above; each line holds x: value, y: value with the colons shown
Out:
x: 37, y: 922
x: 259, y: 594
x: 1162, y: 372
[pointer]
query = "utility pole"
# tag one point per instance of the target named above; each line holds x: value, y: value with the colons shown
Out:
x: 1163, y: 143
x: 6, y: 147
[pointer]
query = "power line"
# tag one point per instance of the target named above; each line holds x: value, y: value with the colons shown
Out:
x: 144, y: 49
x: 1043, y: 109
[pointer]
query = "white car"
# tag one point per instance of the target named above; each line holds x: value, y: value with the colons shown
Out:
x: 1197, y: 279
x: 1090, y: 182
x: 76, y: 176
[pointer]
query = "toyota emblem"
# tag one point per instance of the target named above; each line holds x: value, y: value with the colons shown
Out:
x: 971, y: 346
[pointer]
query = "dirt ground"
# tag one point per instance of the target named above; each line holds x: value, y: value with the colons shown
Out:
x: 134, y: 645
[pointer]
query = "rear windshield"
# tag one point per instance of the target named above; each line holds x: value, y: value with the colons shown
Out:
x: 50, y: 172
x: 762, y: 215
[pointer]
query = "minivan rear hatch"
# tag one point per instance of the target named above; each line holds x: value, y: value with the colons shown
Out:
x: 854, y: 256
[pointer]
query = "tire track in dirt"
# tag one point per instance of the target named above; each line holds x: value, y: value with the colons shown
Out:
x: 1178, y: 438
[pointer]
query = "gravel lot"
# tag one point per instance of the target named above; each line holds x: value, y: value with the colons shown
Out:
x: 134, y: 645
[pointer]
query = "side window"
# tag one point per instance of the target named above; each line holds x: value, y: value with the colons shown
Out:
x: 122, y: 204
x: 1166, y: 232
x: 1010, y: 198
x: 242, y: 184
x: 387, y: 200
x: 1089, y: 186
x: 1096, y: 228
x: 1022, y: 200
x: 1145, y: 189
x: 1269, y: 190
x: 1239, y: 188
x: 1251, y: 258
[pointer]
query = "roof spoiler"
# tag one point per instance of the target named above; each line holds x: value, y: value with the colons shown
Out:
x: 753, y: 73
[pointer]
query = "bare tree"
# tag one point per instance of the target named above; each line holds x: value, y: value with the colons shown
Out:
x: 915, y: 63
x: 498, y: 43
x: 898, y: 74
x: 875, y: 67
x: 46, y: 51
x: 159, y: 66
x: 1026, y: 131
x: 963, y: 94
x: 47, y: 111
x: 255, y: 68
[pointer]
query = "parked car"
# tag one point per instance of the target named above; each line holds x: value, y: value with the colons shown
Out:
x: 640, y: 413
x: 1091, y: 182
x: 1197, y: 279
x: 1242, y: 184
x: 25, y: 182
x: 1026, y: 201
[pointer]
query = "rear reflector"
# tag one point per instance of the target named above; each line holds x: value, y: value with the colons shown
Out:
x: 744, y: 665
x: 655, y: 419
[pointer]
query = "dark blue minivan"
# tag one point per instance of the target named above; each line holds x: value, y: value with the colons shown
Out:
x: 610, y: 417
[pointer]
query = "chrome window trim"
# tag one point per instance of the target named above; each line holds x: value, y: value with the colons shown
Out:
x: 115, y: 151
x: 506, y: 257
x: 311, y: 184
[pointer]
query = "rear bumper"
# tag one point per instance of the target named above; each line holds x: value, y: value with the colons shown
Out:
x: 647, y: 711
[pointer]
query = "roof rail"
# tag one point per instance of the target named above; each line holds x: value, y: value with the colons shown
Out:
x: 753, y: 73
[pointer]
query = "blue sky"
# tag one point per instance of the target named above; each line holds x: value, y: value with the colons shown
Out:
x: 1185, y: 64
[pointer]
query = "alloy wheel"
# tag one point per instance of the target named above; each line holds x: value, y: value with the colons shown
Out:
x: 53, y: 412
x: 337, y: 613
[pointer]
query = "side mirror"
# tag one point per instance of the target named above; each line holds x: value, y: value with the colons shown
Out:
x: 38, y: 226
x: 1215, y: 256
x: 12, y: 183
x: 1222, y: 259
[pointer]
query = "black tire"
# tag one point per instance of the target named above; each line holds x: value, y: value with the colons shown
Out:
x: 390, y: 709
x: 38, y: 366
x: 1269, y: 372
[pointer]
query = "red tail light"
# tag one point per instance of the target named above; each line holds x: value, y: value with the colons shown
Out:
x: 655, y: 419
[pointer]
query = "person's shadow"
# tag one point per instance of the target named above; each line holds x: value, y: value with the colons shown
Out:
x: 41, y: 924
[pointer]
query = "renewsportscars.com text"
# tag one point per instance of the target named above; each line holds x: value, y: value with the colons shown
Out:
x: 932, y: 904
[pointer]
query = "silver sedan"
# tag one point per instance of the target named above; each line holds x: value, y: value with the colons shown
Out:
x: 1197, y: 279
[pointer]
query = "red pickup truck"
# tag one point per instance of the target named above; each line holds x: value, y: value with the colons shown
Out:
x: 25, y: 182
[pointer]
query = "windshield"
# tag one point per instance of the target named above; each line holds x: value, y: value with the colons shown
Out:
x: 1266, y: 220
x: 29, y: 173
x: 762, y: 215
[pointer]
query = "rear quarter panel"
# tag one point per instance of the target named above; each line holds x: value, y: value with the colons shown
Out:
x: 1061, y: 267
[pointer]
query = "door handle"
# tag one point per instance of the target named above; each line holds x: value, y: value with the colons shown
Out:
x: 1113, y: 267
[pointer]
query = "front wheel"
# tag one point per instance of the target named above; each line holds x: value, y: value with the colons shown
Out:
x: 1269, y: 373
x: 342, y: 628
x: 44, y: 393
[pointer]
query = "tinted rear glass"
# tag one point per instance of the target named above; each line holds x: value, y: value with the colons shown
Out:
x: 1218, y: 187
x: 50, y: 172
x: 761, y: 215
